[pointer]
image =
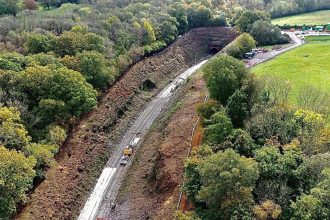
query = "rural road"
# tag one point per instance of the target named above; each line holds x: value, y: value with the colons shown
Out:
x: 99, y: 203
x: 263, y: 57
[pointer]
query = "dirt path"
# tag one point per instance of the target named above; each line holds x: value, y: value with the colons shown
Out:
x: 151, y: 188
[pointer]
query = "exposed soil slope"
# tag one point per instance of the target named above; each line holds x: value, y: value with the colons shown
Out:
x: 151, y: 189
x: 80, y: 161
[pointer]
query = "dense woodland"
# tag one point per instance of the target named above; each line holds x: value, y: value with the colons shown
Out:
x: 58, y: 56
x: 261, y: 157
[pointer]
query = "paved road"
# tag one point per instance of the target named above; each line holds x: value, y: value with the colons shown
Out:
x: 106, y: 189
x: 263, y: 57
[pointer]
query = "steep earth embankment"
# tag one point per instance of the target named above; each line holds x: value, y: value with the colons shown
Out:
x: 88, y: 147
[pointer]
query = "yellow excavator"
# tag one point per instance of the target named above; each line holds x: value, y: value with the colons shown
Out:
x: 128, y: 151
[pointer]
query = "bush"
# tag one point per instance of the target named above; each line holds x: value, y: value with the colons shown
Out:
x: 39, y: 43
x: 243, y: 44
x: 208, y: 109
x: 85, y: 11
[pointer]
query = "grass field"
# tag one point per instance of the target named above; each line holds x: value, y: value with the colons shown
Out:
x: 313, y: 18
x: 308, y: 64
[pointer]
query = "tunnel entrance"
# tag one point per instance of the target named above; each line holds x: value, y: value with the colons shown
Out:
x: 148, y: 85
x: 213, y: 50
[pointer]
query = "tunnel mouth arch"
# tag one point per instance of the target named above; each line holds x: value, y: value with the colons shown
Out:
x: 148, y: 85
x: 213, y: 50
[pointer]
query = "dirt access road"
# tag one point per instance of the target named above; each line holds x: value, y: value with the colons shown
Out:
x: 263, y: 57
x: 106, y: 189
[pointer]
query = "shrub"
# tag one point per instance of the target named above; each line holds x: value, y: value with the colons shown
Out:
x: 243, y: 44
x: 208, y: 109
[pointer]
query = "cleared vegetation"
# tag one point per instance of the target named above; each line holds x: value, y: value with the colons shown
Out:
x: 313, y: 18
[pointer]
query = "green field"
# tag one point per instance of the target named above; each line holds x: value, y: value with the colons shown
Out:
x: 313, y: 18
x: 308, y: 64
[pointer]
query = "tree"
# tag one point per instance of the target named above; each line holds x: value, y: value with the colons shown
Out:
x: 193, y: 183
x: 315, y: 99
x: 9, y: 7
x: 13, y: 134
x: 267, y: 210
x: 149, y: 33
x: 316, y: 205
x: 44, y: 155
x: 69, y: 43
x: 272, y: 162
x: 56, y: 135
x: 224, y: 75
x: 266, y: 33
x: 247, y: 18
x: 179, y: 12
x: 218, y: 128
x: 93, y: 42
x: 39, y: 43
x: 49, y: 111
x: 273, y: 122
x: 95, y: 69
x: 54, y: 86
x: 282, y: 164
x: 168, y: 31
x: 237, y: 108
x: 13, y: 61
x: 241, y: 45
x: 241, y: 142
x: 310, y: 171
x: 207, y: 109
x: 70, y: 87
x: 30, y: 5
x: 227, y: 181
x: 312, y: 134
x: 50, y: 3
x: 198, y: 15
x: 16, y: 175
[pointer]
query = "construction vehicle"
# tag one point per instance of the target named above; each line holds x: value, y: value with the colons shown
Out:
x: 128, y: 151
x: 123, y: 160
